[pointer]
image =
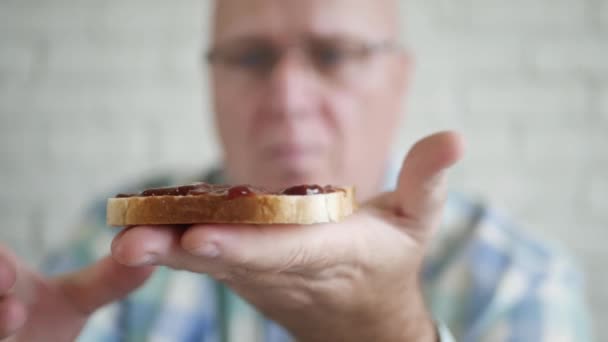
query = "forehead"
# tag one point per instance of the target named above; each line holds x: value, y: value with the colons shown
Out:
x: 289, y: 19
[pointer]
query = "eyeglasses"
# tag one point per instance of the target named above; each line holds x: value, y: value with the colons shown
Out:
x: 336, y: 59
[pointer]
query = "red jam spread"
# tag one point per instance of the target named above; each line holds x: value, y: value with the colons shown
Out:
x: 239, y: 191
x: 232, y: 192
x: 303, y: 190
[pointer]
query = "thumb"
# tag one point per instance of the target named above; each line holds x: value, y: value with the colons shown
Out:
x: 421, y: 192
x: 101, y: 283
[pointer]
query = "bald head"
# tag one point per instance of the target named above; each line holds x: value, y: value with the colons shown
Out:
x: 371, y: 18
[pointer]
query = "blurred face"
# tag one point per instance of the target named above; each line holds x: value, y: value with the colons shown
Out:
x: 307, y: 91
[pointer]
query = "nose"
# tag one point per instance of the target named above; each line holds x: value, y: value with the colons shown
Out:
x: 292, y: 87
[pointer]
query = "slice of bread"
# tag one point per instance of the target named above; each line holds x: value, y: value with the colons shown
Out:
x: 254, y: 209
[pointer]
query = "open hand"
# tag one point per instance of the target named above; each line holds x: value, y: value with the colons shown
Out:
x: 357, y: 280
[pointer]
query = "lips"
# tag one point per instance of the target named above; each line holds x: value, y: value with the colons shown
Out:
x: 291, y: 153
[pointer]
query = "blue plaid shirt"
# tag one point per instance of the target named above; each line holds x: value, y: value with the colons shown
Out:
x: 484, y: 280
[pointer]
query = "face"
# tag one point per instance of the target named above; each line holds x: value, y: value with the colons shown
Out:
x: 307, y: 92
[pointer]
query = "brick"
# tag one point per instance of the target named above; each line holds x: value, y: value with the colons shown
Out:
x: 603, y: 14
x: 16, y: 58
x: 91, y: 59
x: 433, y: 103
x: 450, y: 14
x: 565, y: 146
x: 82, y: 143
x: 465, y: 55
x: 133, y: 21
x: 598, y: 194
x: 61, y: 218
x: 417, y: 17
x: 597, y: 138
x: 504, y: 191
x: 493, y: 149
x: 141, y: 13
x: 528, y: 102
x: 16, y: 231
x: 83, y: 14
x: 25, y: 228
x: 596, y: 190
x: 594, y: 274
x: 192, y: 148
x: 527, y: 17
x: 122, y: 60
x: 554, y: 192
x: 22, y: 151
x: 17, y: 63
x: 603, y: 104
x: 429, y: 17
x: 575, y: 56
x: 50, y: 17
x: 57, y: 101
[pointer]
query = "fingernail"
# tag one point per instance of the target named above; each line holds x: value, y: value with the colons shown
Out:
x: 208, y: 250
x: 147, y: 259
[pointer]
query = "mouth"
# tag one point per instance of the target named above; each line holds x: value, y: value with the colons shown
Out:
x: 291, y: 154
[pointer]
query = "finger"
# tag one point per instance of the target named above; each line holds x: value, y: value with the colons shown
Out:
x: 8, y: 272
x: 158, y: 245
x: 145, y: 245
x: 12, y: 316
x: 101, y: 283
x: 220, y: 250
x: 267, y: 248
x: 420, y: 192
x: 198, y: 246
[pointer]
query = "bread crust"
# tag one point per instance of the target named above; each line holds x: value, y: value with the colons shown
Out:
x: 256, y: 209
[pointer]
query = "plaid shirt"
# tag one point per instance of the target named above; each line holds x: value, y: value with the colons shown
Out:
x: 484, y: 280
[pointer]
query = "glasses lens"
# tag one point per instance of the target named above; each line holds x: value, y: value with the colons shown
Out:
x: 334, y: 59
x: 248, y: 58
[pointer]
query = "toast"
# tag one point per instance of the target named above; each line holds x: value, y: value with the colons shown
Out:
x: 205, y: 203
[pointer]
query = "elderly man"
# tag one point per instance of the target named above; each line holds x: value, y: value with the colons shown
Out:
x: 309, y: 92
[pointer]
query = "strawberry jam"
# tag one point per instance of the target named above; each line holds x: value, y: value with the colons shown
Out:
x: 231, y: 192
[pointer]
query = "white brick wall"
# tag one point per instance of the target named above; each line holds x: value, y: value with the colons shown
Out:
x: 602, y: 10
x: 602, y: 99
x: 86, y: 88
